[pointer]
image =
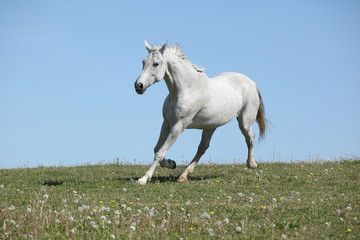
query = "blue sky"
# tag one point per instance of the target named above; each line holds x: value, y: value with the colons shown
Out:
x: 67, y: 70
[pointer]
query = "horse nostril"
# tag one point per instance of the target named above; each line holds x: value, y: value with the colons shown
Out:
x: 141, y: 86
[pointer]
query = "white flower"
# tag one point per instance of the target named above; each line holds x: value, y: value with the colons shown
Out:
x: 124, y: 189
x: 146, y: 209
x: 112, y: 236
x: 188, y: 203
x: 348, y: 208
x: 133, y: 228
x: 73, y: 230
x: 12, y: 208
x: 45, y: 196
x: 327, y: 224
x: 2, y: 186
x: 211, y: 232
x: 29, y: 209
x: 238, y: 229
x: 117, y: 212
x: 226, y: 220
x: 283, y: 236
x: 103, y: 218
x: 128, y: 209
x: 241, y: 194
x: 205, y: 216
x: 219, y: 223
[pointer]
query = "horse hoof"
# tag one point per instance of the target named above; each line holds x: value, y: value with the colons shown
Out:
x: 141, y: 182
x: 253, y: 166
x: 174, y: 165
x: 181, y: 179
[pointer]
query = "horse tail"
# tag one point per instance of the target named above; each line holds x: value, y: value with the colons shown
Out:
x: 260, y: 117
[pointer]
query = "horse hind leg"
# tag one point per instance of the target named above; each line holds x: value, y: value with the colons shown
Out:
x: 246, y: 121
x: 203, y: 146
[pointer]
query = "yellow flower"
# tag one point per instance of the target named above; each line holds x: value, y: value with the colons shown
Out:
x: 112, y: 201
x: 349, y: 229
x: 224, y: 194
x: 281, y: 198
x: 264, y: 207
x: 177, y: 204
x: 262, y: 197
x: 191, y: 229
x: 101, y: 202
x: 354, y: 181
x: 257, y: 186
x: 162, y: 205
x: 217, y: 180
x: 211, y: 212
x: 308, y: 175
x: 131, y: 203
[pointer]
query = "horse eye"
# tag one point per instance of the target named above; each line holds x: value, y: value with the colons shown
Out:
x: 155, y: 64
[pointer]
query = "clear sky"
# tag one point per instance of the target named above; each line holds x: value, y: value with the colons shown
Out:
x: 67, y: 70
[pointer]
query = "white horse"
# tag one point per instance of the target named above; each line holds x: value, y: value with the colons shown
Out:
x: 198, y: 102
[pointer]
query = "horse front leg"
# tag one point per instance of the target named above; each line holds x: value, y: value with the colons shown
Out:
x: 203, y: 146
x: 165, y: 128
x: 162, y: 147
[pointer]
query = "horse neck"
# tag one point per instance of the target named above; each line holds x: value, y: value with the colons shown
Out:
x: 180, y: 77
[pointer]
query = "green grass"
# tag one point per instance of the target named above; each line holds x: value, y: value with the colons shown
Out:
x: 316, y: 200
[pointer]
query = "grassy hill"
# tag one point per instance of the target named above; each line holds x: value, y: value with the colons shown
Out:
x: 316, y: 200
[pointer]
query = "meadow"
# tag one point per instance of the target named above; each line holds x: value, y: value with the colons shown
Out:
x: 298, y: 200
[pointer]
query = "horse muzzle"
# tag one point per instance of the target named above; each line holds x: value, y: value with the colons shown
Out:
x: 139, y: 88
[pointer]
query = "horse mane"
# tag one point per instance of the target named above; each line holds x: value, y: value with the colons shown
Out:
x: 176, y: 50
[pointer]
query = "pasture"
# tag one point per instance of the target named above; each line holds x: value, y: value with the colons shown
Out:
x: 301, y: 200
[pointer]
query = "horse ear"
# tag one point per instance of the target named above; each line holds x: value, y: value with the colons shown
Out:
x: 162, y: 49
x: 147, y: 46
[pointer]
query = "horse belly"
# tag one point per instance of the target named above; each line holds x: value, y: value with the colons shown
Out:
x: 216, y: 113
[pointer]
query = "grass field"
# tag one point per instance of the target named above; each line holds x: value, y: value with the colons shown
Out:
x: 317, y: 200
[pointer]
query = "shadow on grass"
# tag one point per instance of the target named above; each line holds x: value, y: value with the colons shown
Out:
x: 159, y: 179
x: 164, y: 179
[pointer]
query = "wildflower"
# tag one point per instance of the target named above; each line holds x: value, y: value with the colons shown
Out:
x: 112, y: 236
x: 257, y: 186
x: 226, y: 220
x: 219, y: 223
x: 348, y: 208
x: 211, y: 212
x: 309, y: 176
x: 241, y: 195
x: 217, y: 181
x: 191, y: 229
x: 101, y: 202
x: 205, y: 216
x: 264, y: 207
x: 103, y: 218
x: 211, y: 232
x: 238, y: 229
x: 131, y: 203
x: 124, y: 189
x: 188, y: 202
x: 2, y: 186
x: 281, y: 198
x: 283, y: 236
x: 73, y: 230
x: 12, y: 208
x: 262, y: 197
x: 349, y: 229
x: 128, y: 209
